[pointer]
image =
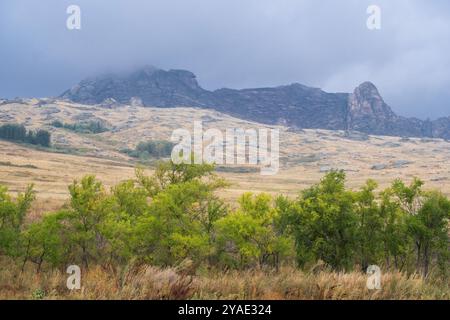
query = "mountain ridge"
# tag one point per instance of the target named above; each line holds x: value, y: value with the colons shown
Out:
x: 294, y: 105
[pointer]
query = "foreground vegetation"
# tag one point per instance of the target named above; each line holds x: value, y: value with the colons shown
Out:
x: 149, y: 282
x: 170, y: 235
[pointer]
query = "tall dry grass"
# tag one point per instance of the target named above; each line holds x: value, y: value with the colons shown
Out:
x: 147, y: 282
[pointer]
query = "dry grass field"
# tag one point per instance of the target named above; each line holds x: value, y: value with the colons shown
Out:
x: 147, y: 282
x: 305, y: 155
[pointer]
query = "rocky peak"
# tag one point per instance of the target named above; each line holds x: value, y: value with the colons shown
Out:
x: 150, y: 75
x: 367, y: 111
x: 367, y: 101
x: 155, y: 87
x: 367, y: 88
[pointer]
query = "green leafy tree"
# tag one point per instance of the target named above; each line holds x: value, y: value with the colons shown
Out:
x: 173, y: 223
x: 176, y: 215
x: 129, y: 202
x: 252, y: 235
x: 397, y: 241
x: 325, y: 224
x: 13, y: 132
x: 183, y: 208
x: 45, y: 241
x: 12, y: 215
x: 370, y: 225
x: 89, y: 206
x: 43, y: 138
x: 429, y: 228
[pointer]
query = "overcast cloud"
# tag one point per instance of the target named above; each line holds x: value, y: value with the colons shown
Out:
x: 236, y: 44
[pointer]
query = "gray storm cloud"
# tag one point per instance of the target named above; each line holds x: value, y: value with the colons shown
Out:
x: 235, y: 43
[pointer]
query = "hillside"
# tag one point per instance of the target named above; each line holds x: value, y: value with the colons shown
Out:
x: 305, y: 155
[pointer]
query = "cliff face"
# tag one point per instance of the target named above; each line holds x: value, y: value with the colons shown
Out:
x: 367, y: 112
x: 153, y: 86
x: 293, y: 105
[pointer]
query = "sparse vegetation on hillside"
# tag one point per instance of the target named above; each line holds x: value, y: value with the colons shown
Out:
x: 18, y: 133
x: 175, y: 219
x: 82, y: 127
x: 151, y: 149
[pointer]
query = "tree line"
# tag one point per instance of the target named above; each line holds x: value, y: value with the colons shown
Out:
x: 18, y: 132
x: 81, y: 127
x: 176, y: 215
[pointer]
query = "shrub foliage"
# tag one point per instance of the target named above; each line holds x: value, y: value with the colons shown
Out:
x: 151, y: 149
x: 176, y: 215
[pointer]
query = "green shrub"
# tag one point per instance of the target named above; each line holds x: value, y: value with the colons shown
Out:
x: 251, y: 236
x: 12, y: 216
x: 175, y: 215
x: 81, y: 127
x: 151, y: 149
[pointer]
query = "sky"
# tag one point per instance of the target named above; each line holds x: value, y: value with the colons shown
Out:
x: 235, y: 44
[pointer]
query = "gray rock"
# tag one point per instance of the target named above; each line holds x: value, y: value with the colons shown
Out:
x: 49, y: 110
x: 314, y: 157
x: 437, y: 179
x: 401, y: 163
x: 136, y: 102
x: 379, y: 166
x: 390, y: 144
x: 110, y: 103
x: 11, y: 101
x: 83, y: 116
x: 6, y: 117
x: 356, y: 136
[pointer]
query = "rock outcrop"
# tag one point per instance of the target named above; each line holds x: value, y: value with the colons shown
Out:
x: 367, y: 112
x: 294, y: 105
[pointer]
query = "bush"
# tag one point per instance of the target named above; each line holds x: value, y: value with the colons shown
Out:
x: 175, y: 216
x: 405, y: 228
x: 251, y: 236
x: 324, y: 223
x: 12, y: 216
x: 82, y: 127
x: 152, y: 149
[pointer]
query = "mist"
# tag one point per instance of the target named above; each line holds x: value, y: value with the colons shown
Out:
x: 234, y: 44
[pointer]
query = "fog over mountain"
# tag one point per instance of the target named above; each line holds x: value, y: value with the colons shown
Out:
x: 235, y: 44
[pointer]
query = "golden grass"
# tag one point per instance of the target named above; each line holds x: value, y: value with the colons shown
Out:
x: 147, y: 282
